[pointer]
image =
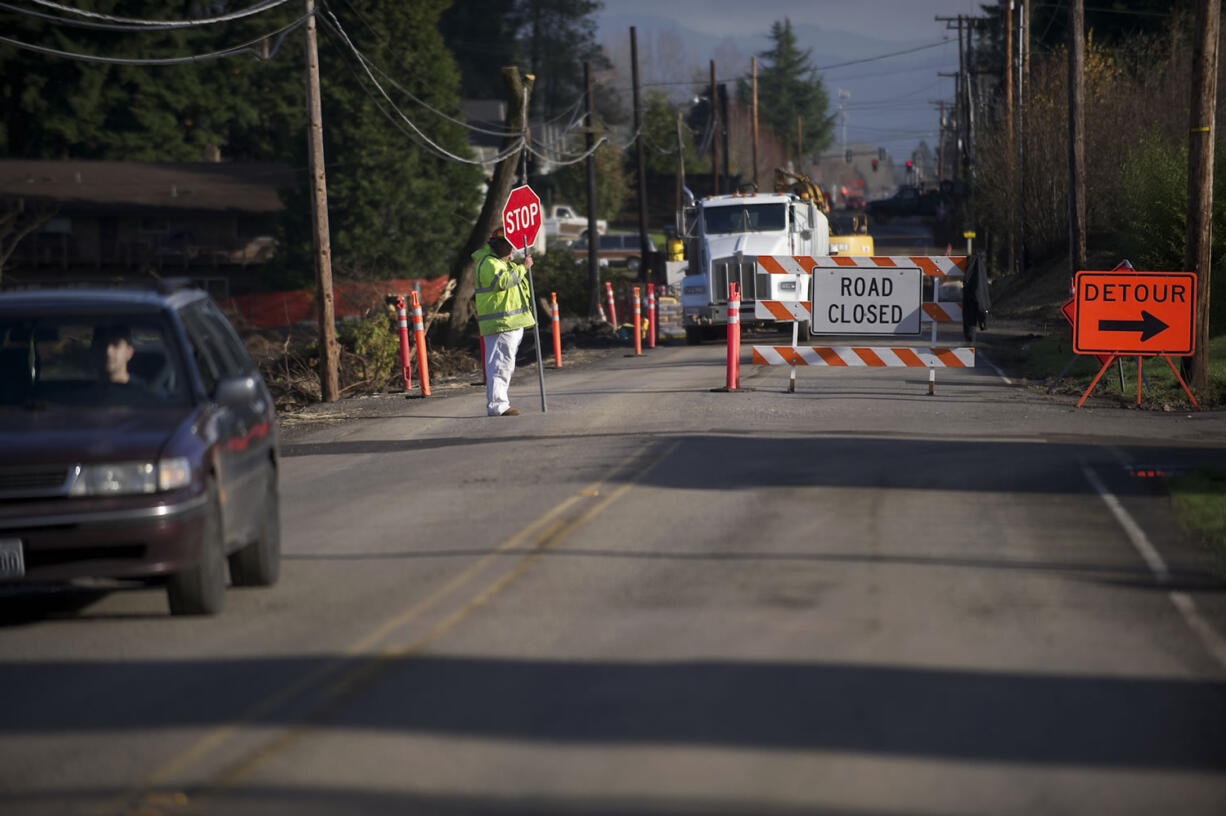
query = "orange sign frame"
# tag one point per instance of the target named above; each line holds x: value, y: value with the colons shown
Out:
x: 1144, y: 313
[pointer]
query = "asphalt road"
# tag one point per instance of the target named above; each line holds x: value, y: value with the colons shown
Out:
x: 657, y: 598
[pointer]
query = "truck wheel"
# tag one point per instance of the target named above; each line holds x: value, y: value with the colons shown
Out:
x: 693, y: 335
x: 201, y: 590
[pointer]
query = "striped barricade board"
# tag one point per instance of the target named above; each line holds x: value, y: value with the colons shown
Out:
x: 793, y: 310
x: 933, y: 266
x: 865, y: 356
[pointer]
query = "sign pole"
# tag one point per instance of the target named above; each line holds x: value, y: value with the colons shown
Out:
x: 536, y: 333
x: 1097, y: 377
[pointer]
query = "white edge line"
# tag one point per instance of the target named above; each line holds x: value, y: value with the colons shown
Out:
x: 979, y: 355
x: 1213, y: 642
x: 1135, y: 534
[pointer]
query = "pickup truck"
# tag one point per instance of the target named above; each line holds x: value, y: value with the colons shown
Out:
x: 564, y: 222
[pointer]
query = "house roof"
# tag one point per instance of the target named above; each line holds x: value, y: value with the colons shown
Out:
x: 246, y: 187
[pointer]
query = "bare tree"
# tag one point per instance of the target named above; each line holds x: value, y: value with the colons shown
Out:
x: 519, y: 89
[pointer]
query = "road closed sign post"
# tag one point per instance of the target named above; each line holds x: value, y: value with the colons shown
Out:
x: 865, y: 300
x: 521, y: 221
x: 1127, y: 313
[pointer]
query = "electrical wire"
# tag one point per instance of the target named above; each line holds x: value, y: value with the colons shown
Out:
x: 421, y: 138
x: 203, y: 21
x: 248, y: 46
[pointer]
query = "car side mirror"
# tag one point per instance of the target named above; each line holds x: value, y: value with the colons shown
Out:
x: 235, y: 392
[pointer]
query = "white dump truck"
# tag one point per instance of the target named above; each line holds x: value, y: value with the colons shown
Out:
x: 723, y: 237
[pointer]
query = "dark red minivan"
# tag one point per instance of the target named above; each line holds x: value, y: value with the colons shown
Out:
x: 137, y: 440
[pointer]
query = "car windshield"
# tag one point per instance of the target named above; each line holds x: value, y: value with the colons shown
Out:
x: 745, y: 218
x: 89, y: 361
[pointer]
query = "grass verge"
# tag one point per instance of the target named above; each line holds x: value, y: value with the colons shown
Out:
x: 1199, y: 500
x: 1043, y: 359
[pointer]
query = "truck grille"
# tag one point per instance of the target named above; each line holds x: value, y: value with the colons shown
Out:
x: 729, y: 270
x: 33, y: 481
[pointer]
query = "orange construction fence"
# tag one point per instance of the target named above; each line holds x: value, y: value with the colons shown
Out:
x: 273, y: 310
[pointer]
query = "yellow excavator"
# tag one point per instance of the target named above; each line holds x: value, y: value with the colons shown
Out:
x: 852, y: 238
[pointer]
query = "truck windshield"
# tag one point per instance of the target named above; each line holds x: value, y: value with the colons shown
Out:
x: 745, y: 218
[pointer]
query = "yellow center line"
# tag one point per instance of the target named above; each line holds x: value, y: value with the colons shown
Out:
x: 543, y: 532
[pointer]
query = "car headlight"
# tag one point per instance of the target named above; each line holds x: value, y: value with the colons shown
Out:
x: 127, y: 478
x: 174, y: 473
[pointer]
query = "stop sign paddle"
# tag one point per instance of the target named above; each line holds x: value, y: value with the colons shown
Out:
x: 521, y: 217
x: 521, y: 221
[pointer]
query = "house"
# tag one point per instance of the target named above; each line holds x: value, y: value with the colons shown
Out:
x: 213, y: 221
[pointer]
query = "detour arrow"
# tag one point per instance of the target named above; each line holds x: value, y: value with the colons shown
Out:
x: 1149, y: 326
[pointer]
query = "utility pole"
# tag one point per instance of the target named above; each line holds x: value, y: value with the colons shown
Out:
x: 754, y: 97
x: 1010, y: 165
x: 959, y: 110
x: 589, y: 139
x: 640, y: 159
x: 329, y: 381
x: 1198, y: 251
x: 800, y: 143
x: 1023, y: 80
x: 941, y: 149
x: 1076, y: 135
x: 843, y: 97
x: 723, y: 127
x: 680, y: 171
x: 714, y: 134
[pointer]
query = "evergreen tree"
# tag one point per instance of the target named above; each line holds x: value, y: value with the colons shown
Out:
x: 396, y: 208
x: 483, y: 38
x: 57, y: 107
x: 789, y: 87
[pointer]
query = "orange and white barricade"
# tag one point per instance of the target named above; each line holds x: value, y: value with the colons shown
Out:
x: 933, y: 312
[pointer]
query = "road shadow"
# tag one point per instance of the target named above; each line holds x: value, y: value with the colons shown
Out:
x: 880, y: 710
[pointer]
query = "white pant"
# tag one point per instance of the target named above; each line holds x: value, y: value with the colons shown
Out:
x: 500, y: 350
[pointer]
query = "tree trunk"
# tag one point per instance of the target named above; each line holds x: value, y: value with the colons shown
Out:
x: 518, y: 91
x: 1198, y: 249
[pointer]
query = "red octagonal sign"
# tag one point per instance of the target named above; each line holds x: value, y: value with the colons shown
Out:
x: 521, y: 217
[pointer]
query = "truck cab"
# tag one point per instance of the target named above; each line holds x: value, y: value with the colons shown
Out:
x: 725, y: 234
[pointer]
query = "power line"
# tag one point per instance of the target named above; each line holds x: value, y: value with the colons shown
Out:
x: 881, y: 56
x: 421, y: 137
x: 202, y: 21
x: 248, y: 46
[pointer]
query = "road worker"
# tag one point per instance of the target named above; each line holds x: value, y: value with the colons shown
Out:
x: 504, y: 310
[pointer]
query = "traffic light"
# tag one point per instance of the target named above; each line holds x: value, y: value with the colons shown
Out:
x: 908, y: 165
x: 874, y: 165
x: 847, y: 156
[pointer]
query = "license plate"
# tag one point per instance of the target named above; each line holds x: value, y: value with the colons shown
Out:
x: 12, y: 559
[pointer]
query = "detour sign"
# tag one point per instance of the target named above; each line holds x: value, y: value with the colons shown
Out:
x: 1134, y: 312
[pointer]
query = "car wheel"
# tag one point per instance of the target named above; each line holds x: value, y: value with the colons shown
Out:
x: 259, y: 562
x: 201, y: 590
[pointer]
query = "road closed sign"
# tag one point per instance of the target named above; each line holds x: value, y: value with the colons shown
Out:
x: 1134, y: 312
x: 866, y: 300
